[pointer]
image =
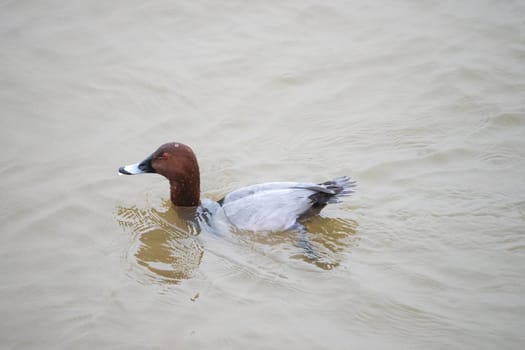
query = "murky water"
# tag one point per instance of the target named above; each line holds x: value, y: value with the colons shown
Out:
x: 422, y: 102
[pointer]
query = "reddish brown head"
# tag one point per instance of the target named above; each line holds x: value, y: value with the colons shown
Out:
x: 178, y: 164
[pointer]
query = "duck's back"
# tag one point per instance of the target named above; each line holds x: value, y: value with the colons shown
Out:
x: 276, y: 206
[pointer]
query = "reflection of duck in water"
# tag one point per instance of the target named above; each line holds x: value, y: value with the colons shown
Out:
x: 273, y: 206
x: 164, y: 241
x: 166, y: 244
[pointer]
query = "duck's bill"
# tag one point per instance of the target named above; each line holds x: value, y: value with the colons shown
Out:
x: 143, y: 167
x: 132, y: 169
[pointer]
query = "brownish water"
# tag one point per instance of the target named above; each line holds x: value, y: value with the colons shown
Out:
x: 422, y: 102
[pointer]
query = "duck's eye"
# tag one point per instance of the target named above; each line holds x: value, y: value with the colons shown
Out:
x: 163, y: 156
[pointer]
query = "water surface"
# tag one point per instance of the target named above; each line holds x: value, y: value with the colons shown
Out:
x: 422, y: 102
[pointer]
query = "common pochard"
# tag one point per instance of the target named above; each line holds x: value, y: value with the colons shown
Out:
x: 271, y: 206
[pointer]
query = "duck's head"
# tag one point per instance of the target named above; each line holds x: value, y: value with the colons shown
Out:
x: 178, y: 164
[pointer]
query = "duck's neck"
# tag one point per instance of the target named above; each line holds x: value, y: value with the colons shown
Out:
x: 185, y: 192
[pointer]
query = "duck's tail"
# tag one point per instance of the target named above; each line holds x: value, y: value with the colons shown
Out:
x: 329, y: 192
x: 341, y: 186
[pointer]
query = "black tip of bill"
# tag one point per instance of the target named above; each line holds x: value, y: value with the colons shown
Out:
x: 132, y: 169
x: 137, y: 168
x: 123, y: 171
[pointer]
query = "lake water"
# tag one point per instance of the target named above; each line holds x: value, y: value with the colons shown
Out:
x: 421, y: 102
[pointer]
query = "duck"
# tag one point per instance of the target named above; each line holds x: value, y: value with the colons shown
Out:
x: 270, y: 206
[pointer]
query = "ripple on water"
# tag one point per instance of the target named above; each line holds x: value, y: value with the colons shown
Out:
x: 505, y: 127
x: 407, y: 320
